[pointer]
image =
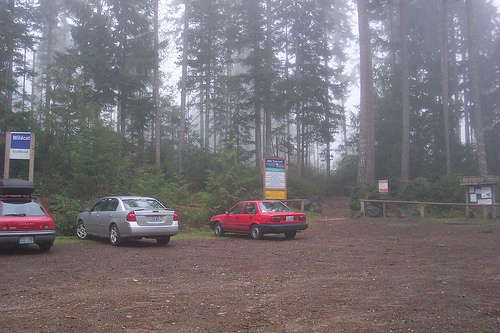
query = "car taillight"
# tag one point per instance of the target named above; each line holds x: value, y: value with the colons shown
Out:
x: 175, y: 216
x: 302, y: 218
x: 131, y: 216
x: 274, y: 219
x: 48, y: 226
x: 4, y: 226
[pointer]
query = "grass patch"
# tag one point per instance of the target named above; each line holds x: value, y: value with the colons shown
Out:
x: 196, y: 234
x: 66, y: 240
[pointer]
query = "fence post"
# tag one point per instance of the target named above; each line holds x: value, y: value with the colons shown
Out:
x: 422, y: 210
x: 362, y: 207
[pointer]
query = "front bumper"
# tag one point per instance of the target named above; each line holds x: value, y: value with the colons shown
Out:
x: 280, y: 228
x: 13, y: 237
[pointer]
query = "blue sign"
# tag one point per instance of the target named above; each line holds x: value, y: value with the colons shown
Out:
x: 20, y: 144
x: 275, y: 163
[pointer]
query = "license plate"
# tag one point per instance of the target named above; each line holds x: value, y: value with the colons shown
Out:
x: 26, y: 240
x: 155, y: 219
x: 289, y: 218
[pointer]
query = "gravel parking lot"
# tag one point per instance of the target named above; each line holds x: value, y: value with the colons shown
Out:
x: 340, y: 275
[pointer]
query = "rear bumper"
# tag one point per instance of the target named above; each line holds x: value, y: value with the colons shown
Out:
x: 13, y: 237
x: 280, y: 228
x: 135, y: 230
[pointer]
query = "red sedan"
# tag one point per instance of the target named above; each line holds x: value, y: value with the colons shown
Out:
x: 258, y: 218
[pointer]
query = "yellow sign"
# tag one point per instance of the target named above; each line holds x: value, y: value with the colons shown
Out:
x: 280, y: 195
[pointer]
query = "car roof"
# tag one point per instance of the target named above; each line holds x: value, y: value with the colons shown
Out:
x: 128, y: 197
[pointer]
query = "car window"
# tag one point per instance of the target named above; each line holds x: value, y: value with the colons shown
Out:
x: 110, y: 205
x: 249, y: 209
x: 272, y: 207
x: 142, y: 204
x: 21, y: 207
x: 99, y: 206
x: 237, y: 209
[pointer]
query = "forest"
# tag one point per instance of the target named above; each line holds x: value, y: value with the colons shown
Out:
x: 182, y: 99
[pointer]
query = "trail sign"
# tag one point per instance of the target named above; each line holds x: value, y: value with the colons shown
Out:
x: 19, y: 146
x: 275, y: 178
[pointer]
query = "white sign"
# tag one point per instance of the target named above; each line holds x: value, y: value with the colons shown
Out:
x: 383, y: 186
x: 486, y: 192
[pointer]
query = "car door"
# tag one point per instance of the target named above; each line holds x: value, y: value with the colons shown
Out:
x: 107, y: 213
x: 247, y: 217
x: 95, y: 212
x: 232, y: 219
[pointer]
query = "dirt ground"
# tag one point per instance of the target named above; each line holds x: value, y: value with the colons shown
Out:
x: 340, y: 275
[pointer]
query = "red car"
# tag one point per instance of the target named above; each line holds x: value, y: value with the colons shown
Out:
x: 23, y: 220
x: 258, y: 218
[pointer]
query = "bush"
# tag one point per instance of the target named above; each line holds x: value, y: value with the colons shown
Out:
x: 64, y: 211
x: 445, y: 189
x: 362, y: 192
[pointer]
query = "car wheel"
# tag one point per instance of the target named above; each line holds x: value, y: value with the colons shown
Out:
x: 114, y: 235
x: 290, y: 234
x: 256, y: 231
x: 45, y: 247
x: 163, y: 240
x: 81, y: 231
x: 218, y: 230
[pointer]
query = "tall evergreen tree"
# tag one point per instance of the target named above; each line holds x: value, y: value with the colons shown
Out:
x: 366, y: 163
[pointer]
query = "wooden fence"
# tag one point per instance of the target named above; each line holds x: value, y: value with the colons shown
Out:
x: 423, y: 204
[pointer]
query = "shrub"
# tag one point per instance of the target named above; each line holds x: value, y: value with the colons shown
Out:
x: 362, y: 192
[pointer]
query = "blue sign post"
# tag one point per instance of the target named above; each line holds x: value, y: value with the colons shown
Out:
x: 19, y: 146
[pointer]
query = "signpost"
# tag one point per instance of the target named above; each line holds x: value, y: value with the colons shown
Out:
x: 275, y: 178
x: 19, y: 146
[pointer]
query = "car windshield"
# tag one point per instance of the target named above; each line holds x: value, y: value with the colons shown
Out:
x: 272, y: 207
x: 142, y: 204
x: 21, y: 207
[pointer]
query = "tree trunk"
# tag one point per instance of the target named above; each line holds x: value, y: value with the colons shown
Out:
x: 182, y: 123
x: 298, y: 106
x: 268, y: 84
x: 478, y: 120
x: 10, y: 63
x: 443, y: 48
x: 366, y: 163
x: 156, y: 88
x: 405, y: 74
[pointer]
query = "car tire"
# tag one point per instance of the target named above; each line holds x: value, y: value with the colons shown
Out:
x: 114, y: 235
x: 290, y: 234
x: 218, y: 229
x: 45, y: 247
x: 163, y: 240
x: 256, y: 231
x: 81, y: 231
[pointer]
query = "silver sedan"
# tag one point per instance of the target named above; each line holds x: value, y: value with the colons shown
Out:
x: 121, y: 217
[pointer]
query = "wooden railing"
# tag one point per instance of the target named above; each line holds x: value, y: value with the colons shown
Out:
x: 296, y: 200
x: 423, y: 204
